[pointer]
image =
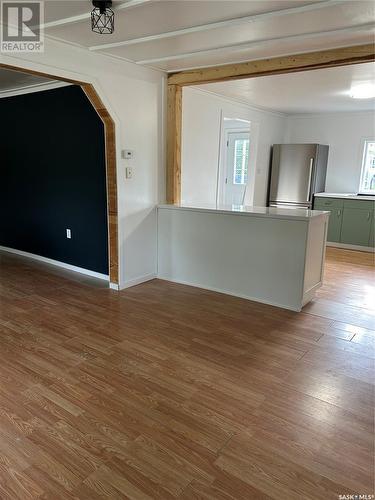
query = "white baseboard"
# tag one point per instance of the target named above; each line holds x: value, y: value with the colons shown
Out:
x: 346, y: 246
x: 226, y: 292
x: 138, y: 281
x: 56, y: 263
x: 114, y: 286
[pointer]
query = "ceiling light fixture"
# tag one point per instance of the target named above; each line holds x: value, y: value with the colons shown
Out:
x: 363, y: 91
x: 102, y: 17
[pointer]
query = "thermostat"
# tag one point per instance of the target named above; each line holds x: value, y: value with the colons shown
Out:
x: 127, y: 154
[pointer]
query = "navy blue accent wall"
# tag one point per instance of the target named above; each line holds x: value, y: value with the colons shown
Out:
x: 52, y: 177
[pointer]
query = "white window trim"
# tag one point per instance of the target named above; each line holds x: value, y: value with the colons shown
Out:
x: 242, y: 183
x: 223, y: 158
x: 364, y: 151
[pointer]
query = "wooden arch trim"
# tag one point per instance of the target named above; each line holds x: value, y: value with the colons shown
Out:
x: 110, y: 156
x: 279, y: 65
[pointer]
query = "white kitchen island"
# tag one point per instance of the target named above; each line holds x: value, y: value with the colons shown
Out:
x: 269, y: 255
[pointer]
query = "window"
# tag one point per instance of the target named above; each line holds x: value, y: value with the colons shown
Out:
x: 241, y: 160
x: 367, y: 184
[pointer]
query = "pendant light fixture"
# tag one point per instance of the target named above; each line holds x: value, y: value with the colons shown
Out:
x: 102, y: 17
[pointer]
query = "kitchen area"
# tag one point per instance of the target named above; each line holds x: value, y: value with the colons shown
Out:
x: 298, y: 179
x: 269, y: 180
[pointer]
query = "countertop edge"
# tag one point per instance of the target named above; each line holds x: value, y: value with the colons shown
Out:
x: 345, y: 196
x: 313, y: 213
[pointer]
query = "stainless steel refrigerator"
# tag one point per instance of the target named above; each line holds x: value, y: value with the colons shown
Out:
x: 297, y: 172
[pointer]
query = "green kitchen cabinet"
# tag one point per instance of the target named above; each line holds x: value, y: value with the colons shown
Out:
x: 328, y: 204
x: 335, y: 206
x: 371, y: 242
x: 351, y: 221
x: 334, y: 226
x: 356, y: 226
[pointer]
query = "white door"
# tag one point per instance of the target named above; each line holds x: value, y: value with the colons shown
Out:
x: 236, y: 168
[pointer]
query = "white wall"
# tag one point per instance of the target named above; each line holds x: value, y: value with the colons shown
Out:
x: 344, y: 133
x: 134, y: 96
x: 201, y: 113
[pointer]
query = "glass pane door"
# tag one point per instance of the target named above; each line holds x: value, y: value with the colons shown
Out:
x: 237, y: 161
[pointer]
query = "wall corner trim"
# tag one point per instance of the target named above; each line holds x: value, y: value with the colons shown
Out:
x: 138, y: 281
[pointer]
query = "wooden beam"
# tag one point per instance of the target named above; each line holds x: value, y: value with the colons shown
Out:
x: 110, y: 155
x: 174, y: 125
x: 286, y: 64
x: 278, y: 65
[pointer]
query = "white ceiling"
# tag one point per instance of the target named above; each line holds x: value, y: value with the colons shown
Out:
x: 178, y: 34
x: 16, y: 80
x: 317, y: 91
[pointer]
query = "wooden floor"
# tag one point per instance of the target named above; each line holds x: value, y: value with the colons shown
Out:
x: 167, y: 391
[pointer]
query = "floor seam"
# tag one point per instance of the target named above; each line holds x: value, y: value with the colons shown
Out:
x: 224, y: 445
x: 185, y: 488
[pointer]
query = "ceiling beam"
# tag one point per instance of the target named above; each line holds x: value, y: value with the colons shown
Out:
x: 279, y: 65
x: 285, y: 64
x: 82, y: 17
x: 220, y: 24
x: 256, y: 43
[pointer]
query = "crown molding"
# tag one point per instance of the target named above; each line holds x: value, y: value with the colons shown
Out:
x: 327, y: 114
x: 239, y: 102
x: 29, y: 89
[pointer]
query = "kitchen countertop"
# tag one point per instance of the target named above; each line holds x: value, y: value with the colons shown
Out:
x: 266, y: 212
x: 350, y: 196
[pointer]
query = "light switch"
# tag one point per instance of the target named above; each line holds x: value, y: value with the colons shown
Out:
x: 69, y: 234
x: 129, y: 172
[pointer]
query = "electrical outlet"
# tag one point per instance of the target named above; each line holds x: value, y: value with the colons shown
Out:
x: 69, y: 234
x: 129, y: 172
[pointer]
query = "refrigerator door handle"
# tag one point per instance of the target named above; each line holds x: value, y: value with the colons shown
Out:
x: 290, y: 205
x: 310, y: 176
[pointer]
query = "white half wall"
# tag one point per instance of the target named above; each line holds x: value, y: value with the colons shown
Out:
x: 345, y: 134
x: 201, y: 130
x: 274, y: 258
x: 134, y: 96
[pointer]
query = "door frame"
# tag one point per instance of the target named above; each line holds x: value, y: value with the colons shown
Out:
x: 279, y: 65
x: 110, y: 160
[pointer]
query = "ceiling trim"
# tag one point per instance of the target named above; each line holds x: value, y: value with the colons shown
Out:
x: 273, y: 111
x: 81, y: 17
x: 220, y: 24
x: 255, y: 43
x: 295, y: 116
x: 35, y: 87
x: 240, y: 102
